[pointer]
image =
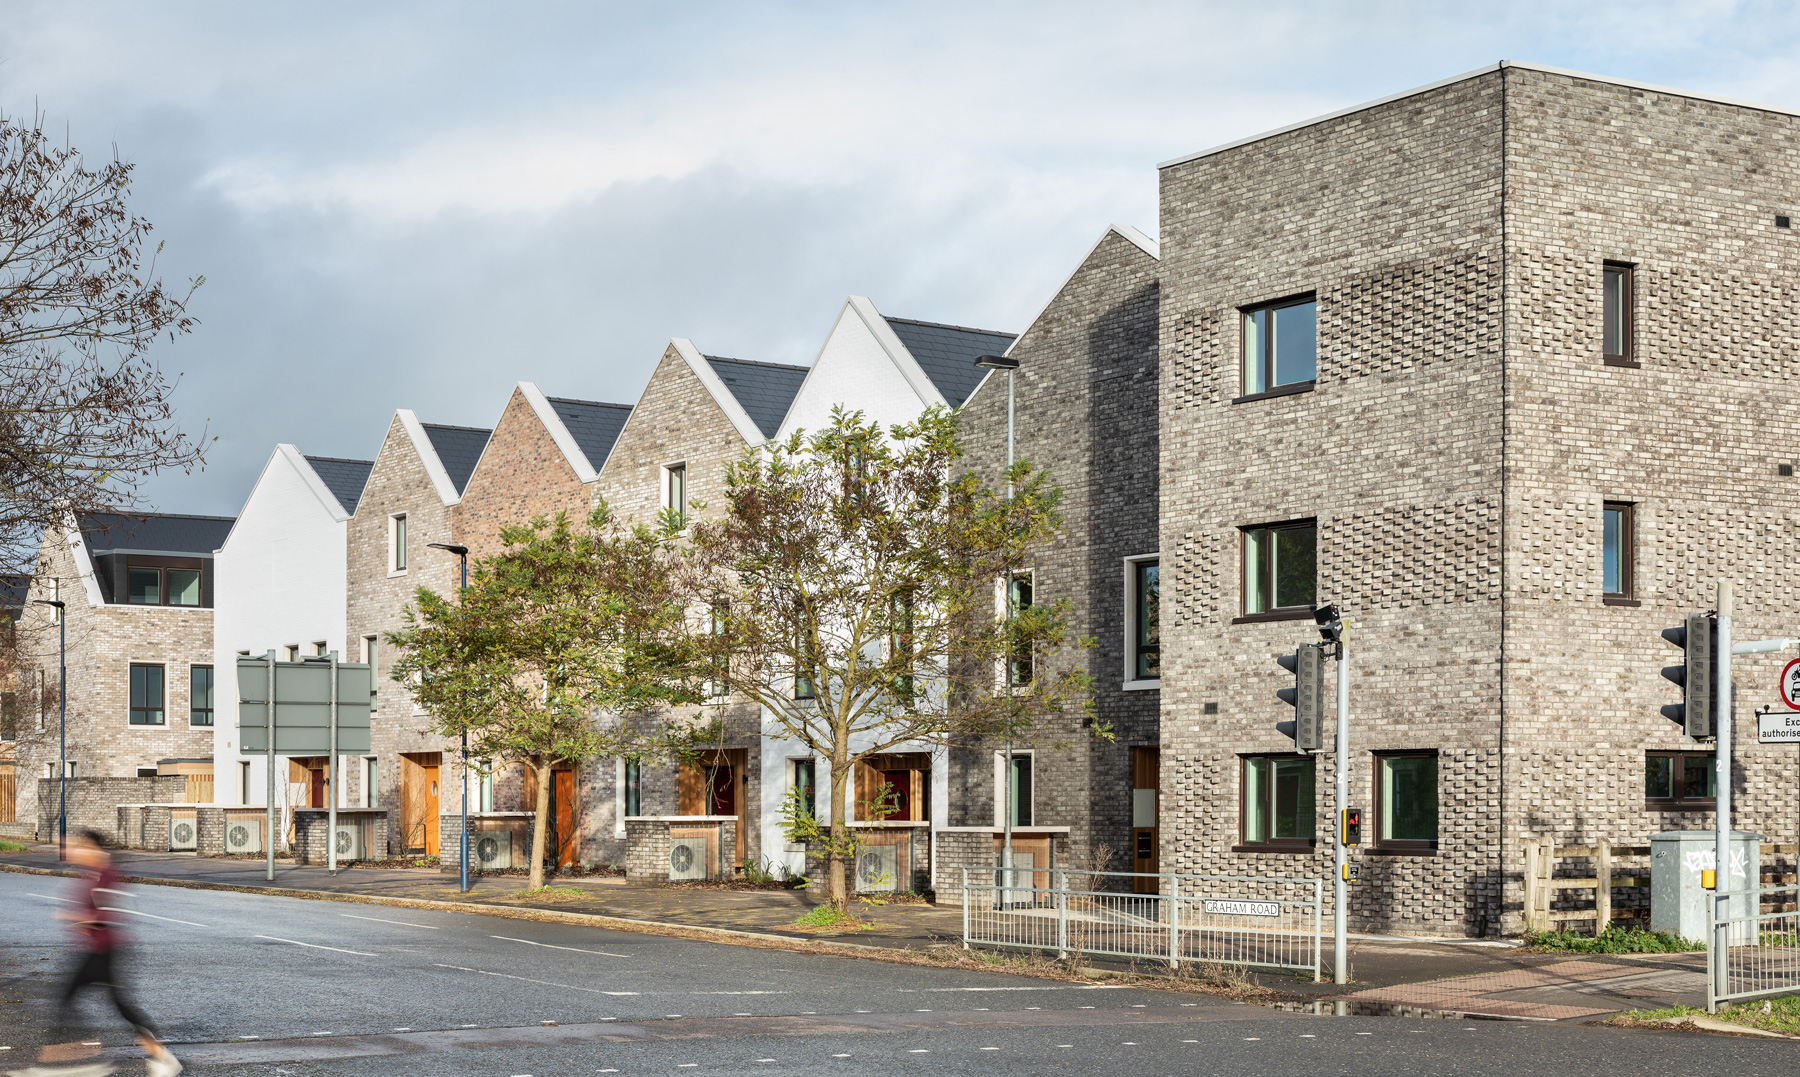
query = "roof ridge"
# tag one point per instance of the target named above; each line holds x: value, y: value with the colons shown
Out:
x: 452, y: 426
x: 754, y: 362
x: 162, y: 516
x: 336, y: 459
x: 578, y: 400
x: 947, y: 325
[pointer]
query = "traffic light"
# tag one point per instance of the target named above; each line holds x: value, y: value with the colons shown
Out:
x: 1350, y: 826
x: 1308, y: 667
x: 1698, y: 636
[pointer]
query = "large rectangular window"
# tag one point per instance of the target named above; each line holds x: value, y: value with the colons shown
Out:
x: 144, y: 586
x: 1616, y: 309
x: 1279, y: 568
x: 1680, y: 781
x: 200, y: 695
x: 1279, y: 806
x: 184, y: 586
x: 1146, y: 629
x: 146, y: 695
x: 1280, y: 346
x: 1406, y: 800
x: 1616, y: 556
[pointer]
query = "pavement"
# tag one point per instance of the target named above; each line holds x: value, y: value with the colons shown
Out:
x: 1390, y: 974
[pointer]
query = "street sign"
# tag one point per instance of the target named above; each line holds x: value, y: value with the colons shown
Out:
x: 1242, y: 908
x: 1790, y: 684
x: 302, y: 707
x: 1781, y: 727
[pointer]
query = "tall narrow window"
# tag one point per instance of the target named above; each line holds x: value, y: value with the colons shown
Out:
x: 371, y: 790
x: 1279, y: 803
x: 1021, y: 800
x: 901, y: 643
x: 634, y: 788
x: 244, y: 781
x: 146, y: 695
x: 1019, y: 659
x: 484, y: 796
x: 1406, y: 800
x: 805, y: 771
x: 200, y: 695
x: 1146, y: 633
x: 1279, y: 568
x: 1280, y: 346
x: 1616, y: 308
x: 1616, y: 556
x: 721, y: 661
x: 370, y: 652
x: 676, y: 498
x: 397, y: 535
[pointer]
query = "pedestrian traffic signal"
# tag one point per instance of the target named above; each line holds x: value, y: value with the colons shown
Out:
x: 1307, y: 665
x: 1698, y: 635
x: 1350, y: 826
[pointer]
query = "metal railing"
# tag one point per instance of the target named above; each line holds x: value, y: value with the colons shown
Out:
x: 1223, y: 919
x: 1750, y: 952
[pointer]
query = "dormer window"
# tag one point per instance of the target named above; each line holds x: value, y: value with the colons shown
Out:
x: 163, y: 581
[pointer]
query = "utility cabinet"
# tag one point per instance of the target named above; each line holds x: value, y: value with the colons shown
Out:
x: 1678, y: 903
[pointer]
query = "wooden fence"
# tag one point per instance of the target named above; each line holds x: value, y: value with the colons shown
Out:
x: 1542, y: 883
x: 9, y: 793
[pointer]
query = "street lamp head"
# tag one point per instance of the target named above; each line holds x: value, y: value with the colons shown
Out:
x: 49, y: 602
x: 460, y: 551
x: 996, y: 362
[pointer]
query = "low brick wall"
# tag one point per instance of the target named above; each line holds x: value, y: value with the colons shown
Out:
x: 974, y: 847
x: 210, y: 822
x: 313, y: 825
x: 913, y: 861
x: 647, y: 844
x: 94, y: 802
x: 515, y: 824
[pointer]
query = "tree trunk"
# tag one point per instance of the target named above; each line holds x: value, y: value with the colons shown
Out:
x: 834, y: 862
x: 540, y: 825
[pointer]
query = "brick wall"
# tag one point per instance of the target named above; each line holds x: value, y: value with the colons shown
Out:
x: 94, y: 802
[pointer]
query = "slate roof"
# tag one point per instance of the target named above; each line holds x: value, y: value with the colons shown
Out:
x: 187, y: 536
x: 344, y: 478
x: 947, y: 353
x: 764, y: 390
x: 593, y: 425
x: 458, y: 449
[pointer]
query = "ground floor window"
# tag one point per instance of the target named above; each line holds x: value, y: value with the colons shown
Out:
x: 805, y: 779
x: 634, y: 788
x: 1406, y: 799
x: 1680, y: 781
x: 1278, y: 802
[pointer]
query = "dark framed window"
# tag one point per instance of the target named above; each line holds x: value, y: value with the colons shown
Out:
x: 1616, y: 306
x: 1019, y: 659
x: 398, y: 554
x: 1406, y: 800
x: 200, y: 695
x: 1617, y: 539
x: 1280, y: 574
x: 1146, y: 629
x: 677, y: 493
x: 1680, y: 781
x: 1279, y: 346
x: 1019, y: 807
x: 147, y: 695
x: 1278, y: 805
x: 144, y: 586
x: 634, y: 793
x: 805, y: 771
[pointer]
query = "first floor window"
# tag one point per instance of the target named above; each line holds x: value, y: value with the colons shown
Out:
x: 368, y: 656
x: 244, y: 781
x: 146, y: 695
x: 200, y: 695
x: 371, y: 791
x: 1615, y: 305
x: 484, y: 786
x: 1278, y: 799
x: 1146, y: 660
x: 1280, y: 345
x: 1018, y: 663
x: 1406, y: 799
x: 634, y: 788
x: 675, y: 495
x: 1616, y: 543
x: 1016, y: 801
x: 1279, y: 567
x: 1674, y: 781
x: 397, y: 543
x: 805, y: 772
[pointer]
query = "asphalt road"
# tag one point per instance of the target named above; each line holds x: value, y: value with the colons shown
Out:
x: 246, y: 984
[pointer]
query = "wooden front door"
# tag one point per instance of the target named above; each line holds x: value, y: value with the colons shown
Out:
x: 419, y: 802
x: 566, y: 840
x: 1146, y: 769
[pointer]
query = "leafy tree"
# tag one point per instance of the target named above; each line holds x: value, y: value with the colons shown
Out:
x: 85, y: 415
x: 557, y: 643
x: 855, y: 584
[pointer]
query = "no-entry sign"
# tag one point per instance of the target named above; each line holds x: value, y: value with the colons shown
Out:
x: 1790, y: 684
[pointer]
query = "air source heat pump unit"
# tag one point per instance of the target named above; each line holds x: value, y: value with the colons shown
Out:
x: 491, y: 850
x: 181, y: 835
x: 1021, y: 877
x: 349, y: 843
x: 242, y: 836
x: 877, y: 869
x: 687, y: 858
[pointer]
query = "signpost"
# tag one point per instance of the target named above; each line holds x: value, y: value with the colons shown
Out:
x: 321, y: 707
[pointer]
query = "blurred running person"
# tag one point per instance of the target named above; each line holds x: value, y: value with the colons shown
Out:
x: 99, y: 941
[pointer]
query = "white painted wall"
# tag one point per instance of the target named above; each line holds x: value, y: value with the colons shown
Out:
x: 859, y: 369
x: 280, y: 579
x: 777, y: 778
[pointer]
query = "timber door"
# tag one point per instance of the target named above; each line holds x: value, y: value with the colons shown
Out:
x: 564, y: 839
x: 419, y: 801
x: 1145, y: 791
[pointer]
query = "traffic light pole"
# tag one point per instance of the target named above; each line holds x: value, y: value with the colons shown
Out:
x: 1341, y: 963
x: 1722, y: 752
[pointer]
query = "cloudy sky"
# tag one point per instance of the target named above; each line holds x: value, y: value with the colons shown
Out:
x: 416, y: 205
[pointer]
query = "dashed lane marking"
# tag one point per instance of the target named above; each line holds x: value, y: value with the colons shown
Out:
x: 384, y: 920
x: 529, y: 980
x: 315, y: 946
x: 553, y: 946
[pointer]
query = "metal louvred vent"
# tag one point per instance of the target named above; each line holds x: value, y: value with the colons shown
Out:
x: 877, y: 868
x: 243, y: 837
x: 181, y: 835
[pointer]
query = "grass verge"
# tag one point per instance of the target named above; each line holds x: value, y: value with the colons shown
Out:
x: 1614, y: 940
x: 552, y: 893
x: 1770, y: 1015
x: 828, y: 917
x: 11, y: 847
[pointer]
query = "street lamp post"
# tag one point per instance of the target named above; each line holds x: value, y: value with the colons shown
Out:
x: 462, y: 553
x: 1011, y: 366
x: 62, y: 725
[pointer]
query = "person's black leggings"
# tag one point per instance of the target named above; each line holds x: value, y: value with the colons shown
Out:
x: 97, y: 970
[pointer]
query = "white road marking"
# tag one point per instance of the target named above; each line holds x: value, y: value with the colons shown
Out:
x: 1065, y: 1045
x: 919, y: 1051
x: 990, y: 1048
x: 552, y: 946
x: 1365, y: 1033
x: 1308, y: 1036
x: 765, y: 1060
x: 527, y: 979
x: 1190, y: 1041
x: 153, y: 916
x: 1071, y: 987
x: 314, y: 946
x: 840, y: 1056
x: 381, y: 920
x: 1252, y: 1039
x: 740, y: 993
x: 1129, y: 1043
x: 686, y: 1065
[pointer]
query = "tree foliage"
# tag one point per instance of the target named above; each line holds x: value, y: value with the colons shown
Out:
x: 557, y: 643
x: 85, y: 415
x: 855, y: 584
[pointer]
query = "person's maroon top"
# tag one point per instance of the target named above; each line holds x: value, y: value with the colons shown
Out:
x: 98, y: 927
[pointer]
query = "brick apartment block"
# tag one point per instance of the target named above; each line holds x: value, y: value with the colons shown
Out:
x: 1458, y: 448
